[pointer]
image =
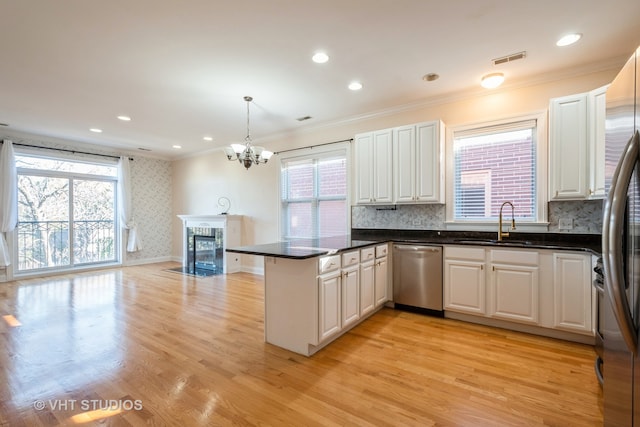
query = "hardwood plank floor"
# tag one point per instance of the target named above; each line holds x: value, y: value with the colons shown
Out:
x: 154, y: 347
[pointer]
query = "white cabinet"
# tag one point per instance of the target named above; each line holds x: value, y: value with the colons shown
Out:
x: 350, y: 288
x: 367, y: 280
x: 329, y: 321
x: 576, y: 146
x: 526, y: 289
x: 418, y: 170
x: 513, y: 285
x: 574, y: 297
x: 374, y: 174
x: 568, y: 147
x: 464, y: 279
x: 597, y: 114
x: 381, y: 275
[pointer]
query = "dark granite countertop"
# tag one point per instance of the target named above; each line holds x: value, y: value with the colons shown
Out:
x: 304, y: 248
x: 309, y: 248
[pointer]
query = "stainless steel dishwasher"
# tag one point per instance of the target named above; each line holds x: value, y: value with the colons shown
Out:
x: 417, y: 278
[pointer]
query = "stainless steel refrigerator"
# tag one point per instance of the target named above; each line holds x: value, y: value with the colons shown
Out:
x: 619, y: 319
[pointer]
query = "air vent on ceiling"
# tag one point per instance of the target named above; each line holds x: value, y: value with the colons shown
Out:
x: 144, y: 149
x: 302, y: 119
x: 509, y: 58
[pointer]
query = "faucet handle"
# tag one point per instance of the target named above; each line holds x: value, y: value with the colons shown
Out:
x: 513, y: 224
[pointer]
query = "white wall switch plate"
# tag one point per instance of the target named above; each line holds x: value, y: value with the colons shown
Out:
x: 565, y: 224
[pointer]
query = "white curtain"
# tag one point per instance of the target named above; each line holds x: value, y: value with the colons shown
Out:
x: 8, y: 199
x: 126, y: 206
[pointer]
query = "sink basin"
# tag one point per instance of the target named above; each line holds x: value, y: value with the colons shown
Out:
x: 495, y: 242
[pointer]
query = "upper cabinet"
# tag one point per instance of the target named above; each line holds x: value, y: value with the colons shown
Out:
x: 576, y: 146
x: 374, y: 179
x: 400, y: 165
x: 418, y: 170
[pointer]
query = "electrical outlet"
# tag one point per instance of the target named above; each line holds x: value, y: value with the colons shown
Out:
x: 565, y: 224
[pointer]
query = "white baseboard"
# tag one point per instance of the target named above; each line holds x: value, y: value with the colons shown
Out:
x: 147, y: 261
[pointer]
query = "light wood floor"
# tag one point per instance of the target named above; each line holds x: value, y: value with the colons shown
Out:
x: 154, y: 347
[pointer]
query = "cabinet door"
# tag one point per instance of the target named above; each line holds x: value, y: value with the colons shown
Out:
x: 404, y: 143
x: 350, y: 295
x: 329, y: 301
x: 597, y: 116
x: 364, y: 168
x: 381, y: 281
x: 464, y: 286
x: 367, y: 280
x: 514, y: 293
x: 568, y: 148
x: 383, y: 166
x: 573, y: 293
x: 428, y: 177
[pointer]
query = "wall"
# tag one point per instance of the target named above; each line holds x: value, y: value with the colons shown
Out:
x: 152, y: 195
x: 199, y: 181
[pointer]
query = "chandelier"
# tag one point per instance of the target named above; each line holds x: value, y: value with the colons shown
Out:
x: 246, y: 153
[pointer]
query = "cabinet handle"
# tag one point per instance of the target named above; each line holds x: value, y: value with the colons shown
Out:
x: 481, y: 267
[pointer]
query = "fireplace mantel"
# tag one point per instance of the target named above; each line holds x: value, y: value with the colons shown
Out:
x: 231, y: 226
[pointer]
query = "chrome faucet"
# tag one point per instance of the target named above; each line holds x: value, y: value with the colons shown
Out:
x: 501, y: 233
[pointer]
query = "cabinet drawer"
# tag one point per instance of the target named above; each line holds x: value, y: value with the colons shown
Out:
x: 367, y: 254
x: 350, y: 258
x: 328, y: 263
x: 382, y: 250
x: 464, y: 252
x: 514, y: 257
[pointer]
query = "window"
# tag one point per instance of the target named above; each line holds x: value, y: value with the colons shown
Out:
x: 313, y: 193
x: 495, y: 163
x: 66, y: 213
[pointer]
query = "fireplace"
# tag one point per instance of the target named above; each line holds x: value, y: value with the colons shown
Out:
x: 205, y: 239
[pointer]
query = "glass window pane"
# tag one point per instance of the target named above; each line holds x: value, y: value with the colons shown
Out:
x: 491, y: 168
x: 332, y: 177
x: 43, y: 222
x: 332, y: 218
x: 93, y: 221
x: 299, y: 180
x: 299, y: 220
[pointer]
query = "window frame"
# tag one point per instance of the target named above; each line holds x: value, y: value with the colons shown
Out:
x: 540, y: 223
x: 13, y: 271
x: 318, y: 152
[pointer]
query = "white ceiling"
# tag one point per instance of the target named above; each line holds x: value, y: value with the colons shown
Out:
x: 180, y: 69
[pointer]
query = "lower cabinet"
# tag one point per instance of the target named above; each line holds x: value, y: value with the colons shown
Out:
x: 310, y: 302
x: 329, y: 302
x: 541, y: 288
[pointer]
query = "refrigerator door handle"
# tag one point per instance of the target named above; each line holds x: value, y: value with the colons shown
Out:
x: 612, y: 233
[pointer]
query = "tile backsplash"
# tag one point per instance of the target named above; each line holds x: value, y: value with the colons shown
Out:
x: 586, y: 216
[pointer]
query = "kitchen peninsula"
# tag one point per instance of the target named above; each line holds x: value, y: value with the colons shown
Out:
x: 317, y: 289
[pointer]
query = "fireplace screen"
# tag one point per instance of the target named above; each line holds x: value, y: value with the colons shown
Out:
x: 205, y: 255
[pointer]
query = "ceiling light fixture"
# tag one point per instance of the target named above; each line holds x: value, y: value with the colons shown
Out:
x: 430, y: 77
x: 246, y: 153
x: 208, y: 138
x: 320, y: 58
x: 355, y: 85
x: 177, y: 147
x: 569, y: 39
x: 492, y: 81
x: 96, y: 130
x: 124, y: 118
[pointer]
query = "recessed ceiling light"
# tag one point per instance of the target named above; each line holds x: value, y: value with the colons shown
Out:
x: 124, y: 118
x: 492, y: 81
x: 568, y: 39
x: 177, y: 146
x: 208, y: 138
x: 355, y: 85
x: 320, y: 57
x: 96, y: 130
